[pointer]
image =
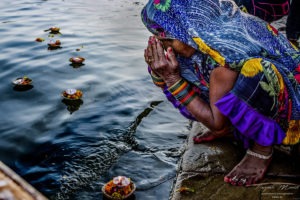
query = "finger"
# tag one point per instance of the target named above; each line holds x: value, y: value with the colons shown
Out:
x: 149, y: 48
x: 146, y: 56
x: 160, y: 51
x: 171, y: 56
x: 154, y: 49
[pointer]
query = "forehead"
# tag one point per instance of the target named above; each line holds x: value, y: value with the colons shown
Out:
x: 165, y: 39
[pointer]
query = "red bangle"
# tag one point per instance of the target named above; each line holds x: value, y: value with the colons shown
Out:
x: 183, y: 92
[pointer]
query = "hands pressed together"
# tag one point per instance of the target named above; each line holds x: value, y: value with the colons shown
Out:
x: 163, y: 65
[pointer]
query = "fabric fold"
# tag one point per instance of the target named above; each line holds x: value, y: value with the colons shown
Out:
x: 251, y: 124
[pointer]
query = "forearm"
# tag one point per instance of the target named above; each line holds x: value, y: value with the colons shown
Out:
x: 221, y: 82
x: 207, y: 115
x: 159, y: 82
x: 186, y: 94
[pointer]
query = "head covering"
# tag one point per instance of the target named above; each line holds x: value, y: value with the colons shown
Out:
x: 220, y: 25
x: 219, y: 29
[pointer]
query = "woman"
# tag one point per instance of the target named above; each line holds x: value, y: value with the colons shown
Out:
x: 268, y: 10
x: 271, y: 10
x: 227, y: 70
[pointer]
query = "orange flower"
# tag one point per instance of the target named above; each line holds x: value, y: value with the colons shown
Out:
x: 113, y: 189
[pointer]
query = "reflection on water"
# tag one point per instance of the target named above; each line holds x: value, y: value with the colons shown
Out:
x: 122, y: 126
x: 22, y: 88
x: 72, y: 105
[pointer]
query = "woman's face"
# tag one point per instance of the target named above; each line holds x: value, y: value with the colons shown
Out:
x: 178, y: 46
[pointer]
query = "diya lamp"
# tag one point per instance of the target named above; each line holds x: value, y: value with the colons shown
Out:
x: 39, y: 39
x: 72, y: 94
x: 119, y: 188
x: 54, y: 45
x: 22, y: 83
x: 53, y: 29
x: 77, y: 61
x: 121, y: 181
x: 72, y: 99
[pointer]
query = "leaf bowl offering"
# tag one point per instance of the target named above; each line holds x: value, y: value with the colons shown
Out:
x: 77, y: 60
x: 39, y: 39
x: 22, y: 81
x: 119, y: 188
x: 72, y: 94
x: 55, y: 44
x: 53, y: 29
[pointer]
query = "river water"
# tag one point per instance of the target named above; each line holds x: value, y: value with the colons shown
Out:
x: 123, y: 126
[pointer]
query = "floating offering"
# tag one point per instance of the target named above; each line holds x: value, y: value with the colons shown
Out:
x: 119, y: 188
x: 39, y: 39
x: 22, y: 84
x: 55, y: 44
x: 23, y: 81
x: 77, y: 60
x: 72, y: 94
x: 53, y: 29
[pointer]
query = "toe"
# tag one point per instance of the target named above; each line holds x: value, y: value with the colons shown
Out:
x: 242, y: 181
x: 227, y: 179
x: 196, y: 140
x: 229, y: 176
x: 204, y: 137
x: 199, y: 139
x: 233, y: 182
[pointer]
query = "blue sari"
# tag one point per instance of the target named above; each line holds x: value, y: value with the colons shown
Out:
x: 264, y: 105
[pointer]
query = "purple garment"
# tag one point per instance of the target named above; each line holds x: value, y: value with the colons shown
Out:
x: 250, y: 124
x: 183, y: 110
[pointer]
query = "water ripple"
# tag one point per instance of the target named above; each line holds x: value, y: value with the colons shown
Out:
x: 123, y: 125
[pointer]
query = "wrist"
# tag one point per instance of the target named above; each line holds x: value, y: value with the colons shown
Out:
x: 158, y: 81
x: 182, y: 91
x: 172, y: 80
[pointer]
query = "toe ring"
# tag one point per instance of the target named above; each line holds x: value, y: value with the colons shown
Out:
x: 243, y: 180
x: 234, y: 178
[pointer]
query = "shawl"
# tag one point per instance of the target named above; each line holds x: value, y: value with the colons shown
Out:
x: 219, y: 29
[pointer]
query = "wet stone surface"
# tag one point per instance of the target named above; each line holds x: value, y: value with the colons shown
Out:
x: 203, y: 167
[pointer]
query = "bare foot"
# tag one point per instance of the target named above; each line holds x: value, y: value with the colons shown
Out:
x: 251, y: 169
x: 210, y: 135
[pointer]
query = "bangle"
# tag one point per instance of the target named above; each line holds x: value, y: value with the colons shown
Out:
x: 157, y: 80
x: 183, y: 92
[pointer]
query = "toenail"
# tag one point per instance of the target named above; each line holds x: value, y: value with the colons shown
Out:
x: 226, y: 179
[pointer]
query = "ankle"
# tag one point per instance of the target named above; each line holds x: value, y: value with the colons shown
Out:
x: 226, y: 130
x: 264, y: 150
